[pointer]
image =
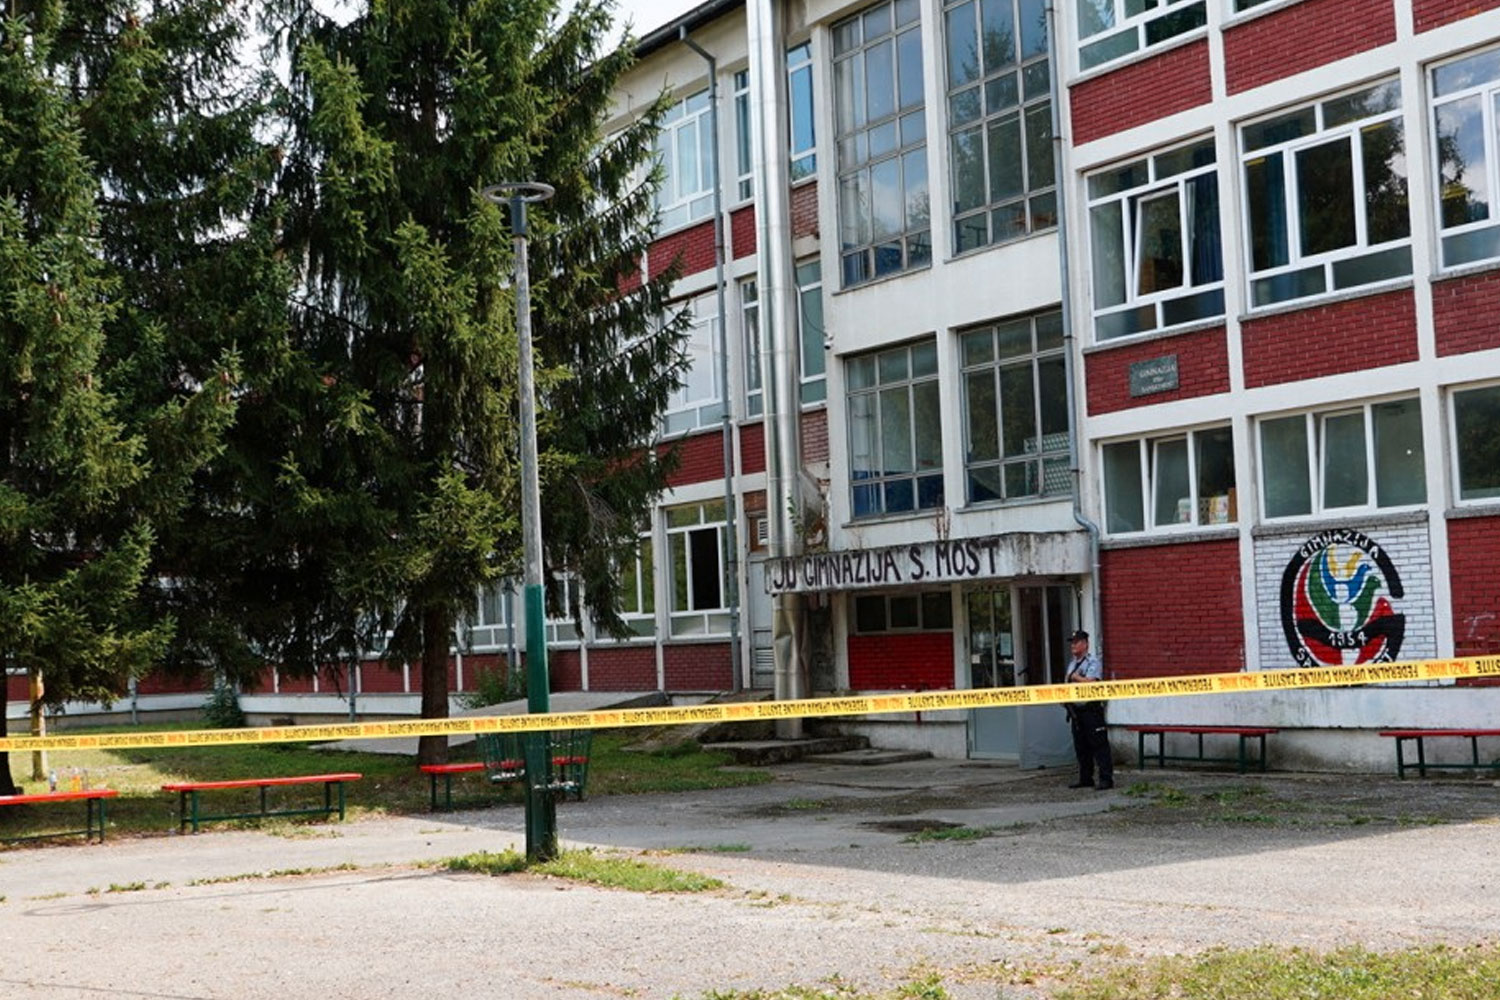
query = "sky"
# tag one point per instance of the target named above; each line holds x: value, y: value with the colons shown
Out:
x: 647, y: 15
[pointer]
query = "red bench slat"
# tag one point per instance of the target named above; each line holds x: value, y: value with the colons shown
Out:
x: 1233, y: 730
x: 305, y: 779
x: 451, y: 768
x: 1414, y: 733
x: 37, y: 797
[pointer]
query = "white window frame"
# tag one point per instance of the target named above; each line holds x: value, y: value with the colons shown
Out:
x: 755, y: 403
x: 563, y: 630
x: 681, y: 202
x: 1160, y: 179
x: 1149, y: 464
x: 1452, y: 394
x: 641, y: 572
x: 486, y: 632
x: 1326, y: 263
x: 1134, y: 29
x: 874, y: 390
x: 921, y: 597
x: 799, y: 65
x: 811, y: 337
x: 681, y: 521
x: 1316, y: 431
x: 1487, y: 91
x: 690, y: 407
x: 744, y: 143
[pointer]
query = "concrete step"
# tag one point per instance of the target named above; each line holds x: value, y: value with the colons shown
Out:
x: 868, y: 756
x: 762, y: 752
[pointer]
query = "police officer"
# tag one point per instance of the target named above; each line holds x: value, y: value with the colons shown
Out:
x: 1090, y: 735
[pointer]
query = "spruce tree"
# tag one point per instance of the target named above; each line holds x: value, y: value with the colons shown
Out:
x: 397, y: 487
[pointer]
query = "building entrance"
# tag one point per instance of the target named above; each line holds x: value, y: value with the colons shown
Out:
x: 1015, y: 638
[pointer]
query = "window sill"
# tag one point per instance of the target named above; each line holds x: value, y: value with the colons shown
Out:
x: 1147, y: 539
x: 1317, y: 301
x: 1466, y: 270
x: 707, y: 220
x: 871, y: 520
x: 1016, y: 241
x: 1145, y: 338
x: 717, y: 638
x: 991, y: 505
x: 1281, y: 528
x: 1236, y: 18
x: 1473, y: 508
x: 883, y: 279
x: 1104, y: 69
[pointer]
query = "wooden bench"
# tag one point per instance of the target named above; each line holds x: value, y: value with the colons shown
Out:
x: 1245, y: 734
x: 448, y: 771
x: 1420, y: 735
x: 187, y: 796
x: 93, y: 800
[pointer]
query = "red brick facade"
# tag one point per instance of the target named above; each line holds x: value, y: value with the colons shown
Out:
x: 696, y: 667
x: 16, y: 688
x: 815, y: 436
x: 700, y: 458
x: 1141, y: 92
x: 622, y: 668
x: 742, y: 232
x: 1346, y: 336
x: 916, y: 661
x: 1473, y: 553
x: 694, y: 246
x: 1172, y: 609
x: 378, y: 677
x: 1202, y: 369
x: 753, y: 448
x: 1466, y: 313
x: 1431, y: 14
x: 1303, y: 36
x: 805, y: 210
x: 564, y: 669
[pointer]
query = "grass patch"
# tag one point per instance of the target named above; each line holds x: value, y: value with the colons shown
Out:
x: 347, y: 866
x: 1432, y: 973
x: 126, y: 887
x: 958, y: 833
x: 391, y: 784
x: 588, y: 866
x: 836, y: 988
x: 804, y: 805
x: 704, y: 849
x: 1164, y: 795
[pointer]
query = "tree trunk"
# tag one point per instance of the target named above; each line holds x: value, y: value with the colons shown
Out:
x: 436, y: 628
x: 7, y: 783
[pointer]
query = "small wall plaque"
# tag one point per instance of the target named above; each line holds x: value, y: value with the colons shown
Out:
x: 1153, y: 375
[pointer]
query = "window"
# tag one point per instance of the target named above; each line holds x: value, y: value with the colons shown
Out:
x: 1186, y: 480
x: 1313, y: 463
x: 638, y: 590
x: 685, y: 151
x: 884, y: 218
x: 563, y: 629
x: 699, y: 402
x: 696, y: 546
x: 799, y: 83
x: 492, y: 619
x: 799, y: 95
x: 931, y: 611
x: 1110, y: 29
x: 1157, y: 257
x: 999, y: 121
x: 750, y: 323
x: 1476, y: 415
x: 895, y: 431
x: 1465, y: 96
x: 1325, y: 190
x: 1016, y: 409
x: 811, y: 331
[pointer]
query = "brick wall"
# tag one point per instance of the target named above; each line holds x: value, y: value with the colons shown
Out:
x: 1172, y: 609
x: 1436, y: 13
x: 294, y: 685
x: 379, y: 677
x: 1345, y: 336
x: 753, y: 448
x: 815, y: 436
x: 1473, y: 554
x: 622, y: 668
x: 700, y: 458
x: 697, y: 666
x: 805, y: 208
x: 1202, y: 369
x: 742, y: 232
x: 1410, y: 554
x: 910, y: 660
x: 1466, y: 312
x: 157, y: 682
x: 1141, y: 92
x: 564, y: 669
x: 694, y: 246
x: 16, y: 688
x: 1301, y: 36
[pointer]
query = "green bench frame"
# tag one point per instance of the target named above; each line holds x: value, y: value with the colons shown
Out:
x: 1422, y: 765
x: 1242, y: 759
x: 187, y: 797
x: 93, y: 800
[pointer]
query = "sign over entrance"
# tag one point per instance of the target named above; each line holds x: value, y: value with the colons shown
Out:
x: 1051, y: 553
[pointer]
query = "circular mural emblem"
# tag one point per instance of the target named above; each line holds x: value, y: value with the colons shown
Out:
x: 1336, y: 596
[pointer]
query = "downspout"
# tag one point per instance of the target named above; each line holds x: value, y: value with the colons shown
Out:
x: 1060, y: 177
x: 732, y: 574
x: 778, y: 317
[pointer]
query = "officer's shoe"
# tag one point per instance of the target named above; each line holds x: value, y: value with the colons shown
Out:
x: 1104, y: 786
x: 1082, y: 784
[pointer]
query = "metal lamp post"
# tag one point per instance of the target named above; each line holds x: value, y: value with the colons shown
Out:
x: 541, y: 807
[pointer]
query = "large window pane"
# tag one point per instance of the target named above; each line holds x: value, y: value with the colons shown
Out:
x: 1106, y: 224
x: 1214, y: 457
x: 1283, y: 460
x: 1384, y: 153
x: 1017, y: 411
x: 1160, y: 235
x: 984, y: 432
x: 1476, y: 415
x: 895, y: 432
x: 1400, y: 476
x: 1265, y: 187
x: 1169, y: 487
x: 1122, y: 487
x: 1463, y: 174
x: 1325, y: 197
x: 1345, y: 476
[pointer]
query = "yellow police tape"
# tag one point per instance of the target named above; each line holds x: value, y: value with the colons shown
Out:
x: 876, y: 704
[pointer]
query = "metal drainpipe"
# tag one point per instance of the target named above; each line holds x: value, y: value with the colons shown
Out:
x: 732, y: 574
x: 1069, y: 341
